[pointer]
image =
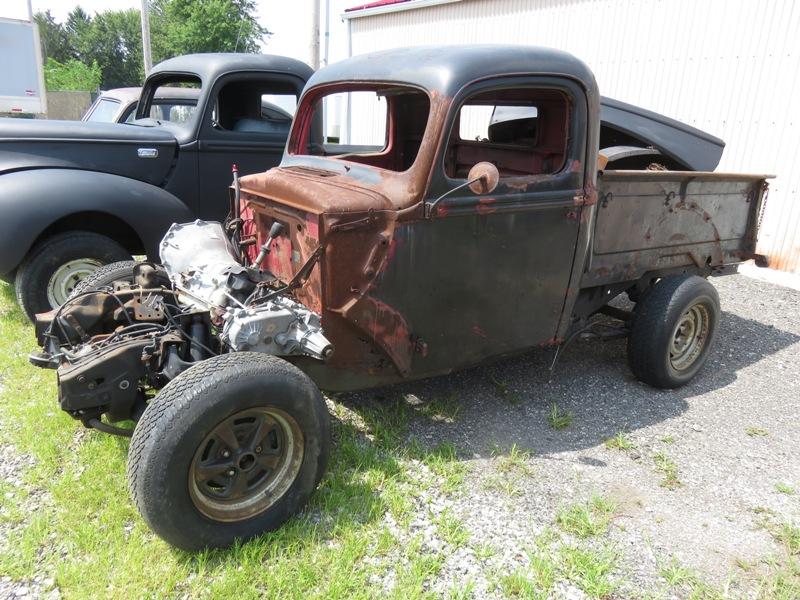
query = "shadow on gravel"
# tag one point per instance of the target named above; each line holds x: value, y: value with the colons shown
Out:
x: 508, y: 402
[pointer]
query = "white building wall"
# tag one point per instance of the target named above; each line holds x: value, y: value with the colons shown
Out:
x: 728, y: 67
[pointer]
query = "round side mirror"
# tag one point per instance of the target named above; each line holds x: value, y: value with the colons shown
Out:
x: 484, y: 177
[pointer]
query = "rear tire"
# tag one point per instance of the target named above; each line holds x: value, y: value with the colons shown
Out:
x: 673, y: 329
x: 50, y: 272
x: 197, y: 477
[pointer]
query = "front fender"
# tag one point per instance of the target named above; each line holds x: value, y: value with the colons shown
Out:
x: 32, y: 200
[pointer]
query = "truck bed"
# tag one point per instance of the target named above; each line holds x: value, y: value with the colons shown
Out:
x: 661, y: 221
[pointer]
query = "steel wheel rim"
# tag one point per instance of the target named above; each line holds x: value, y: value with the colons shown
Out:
x: 245, y: 464
x: 67, y: 276
x: 689, y: 337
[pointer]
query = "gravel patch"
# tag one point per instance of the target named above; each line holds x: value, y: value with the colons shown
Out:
x: 27, y: 500
x: 731, y: 434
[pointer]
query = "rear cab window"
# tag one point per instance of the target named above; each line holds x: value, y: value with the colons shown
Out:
x: 258, y: 107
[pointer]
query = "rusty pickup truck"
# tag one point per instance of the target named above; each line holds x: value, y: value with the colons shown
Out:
x: 468, y: 210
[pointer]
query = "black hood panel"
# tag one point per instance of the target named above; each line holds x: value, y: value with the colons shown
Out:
x: 143, y: 153
x: 696, y: 150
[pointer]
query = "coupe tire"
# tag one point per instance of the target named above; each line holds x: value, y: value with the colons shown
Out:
x: 50, y: 272
x: 674, y: 327
x: 108, y: 275
x: 201, y: 469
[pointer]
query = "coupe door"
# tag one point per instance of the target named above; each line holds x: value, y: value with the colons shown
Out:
x: 247, y: 123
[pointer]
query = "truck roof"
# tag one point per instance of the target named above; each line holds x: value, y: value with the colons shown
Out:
x: 447, y: 69
x: 209, y: 66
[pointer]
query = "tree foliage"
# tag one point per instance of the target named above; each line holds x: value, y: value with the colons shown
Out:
x: 113, y: 39
x: 71, y: 75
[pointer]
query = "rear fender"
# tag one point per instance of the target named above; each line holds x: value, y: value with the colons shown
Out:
x: 32, y: 201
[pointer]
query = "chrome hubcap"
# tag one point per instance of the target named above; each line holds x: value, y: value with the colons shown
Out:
x: 66, y: 277
x: 689, y: 337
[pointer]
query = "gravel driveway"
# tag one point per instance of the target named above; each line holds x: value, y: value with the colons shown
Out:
x: 730, y: 437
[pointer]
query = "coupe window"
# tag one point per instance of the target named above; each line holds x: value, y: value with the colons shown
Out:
x: 105, y: 111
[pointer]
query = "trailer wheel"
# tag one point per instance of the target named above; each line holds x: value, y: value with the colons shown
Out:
x: 229, y: 449
x: 108, y: 275
x: 673, y: 329
x: 50, y: 272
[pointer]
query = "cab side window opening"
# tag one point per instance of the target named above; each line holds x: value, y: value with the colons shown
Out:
x: 254, y: 106
x: 386, y: 129
x: 521, y: 131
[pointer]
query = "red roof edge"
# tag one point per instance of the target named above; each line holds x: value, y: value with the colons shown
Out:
x: 374, y: 4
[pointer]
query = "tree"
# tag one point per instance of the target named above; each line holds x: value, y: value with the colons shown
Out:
x: 53, y: 37
x: 71, y: 75
x: 113, y: 39
x: 188, y: 26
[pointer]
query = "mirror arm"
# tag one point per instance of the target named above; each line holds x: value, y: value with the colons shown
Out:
x: 429, y: 206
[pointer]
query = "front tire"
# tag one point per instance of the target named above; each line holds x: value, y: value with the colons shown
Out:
x: 674, y: 327
x: 50, y: 272
x: 229, y: 449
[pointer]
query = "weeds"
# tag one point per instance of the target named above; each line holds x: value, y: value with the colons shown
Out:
x: 667, y: 467
x: 590, y: 569
x: 515, y: 460
x: 451, y: 529
x: 620, y: 442
x: 756, y: 432
x: 588, y: 519
x: 444, y: 410
x: 559, y: 419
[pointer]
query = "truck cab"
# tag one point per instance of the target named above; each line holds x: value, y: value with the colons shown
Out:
x: 421, y: 275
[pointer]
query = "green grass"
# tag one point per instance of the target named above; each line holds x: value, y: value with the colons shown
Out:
x: 515, y: 460
x: 558, y: 418
x: 444, y: 409
x: 787, y: 534
x: 87, y: 536
x: 535, y: 582
x: 785, y: 488
x: 590, y: 569
x: 451, y: 529
x: 620, y: 441
x: 588, y: 519
x: 510, y: 467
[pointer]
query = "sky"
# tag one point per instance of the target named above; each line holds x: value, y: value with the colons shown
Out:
x: 288, y: 19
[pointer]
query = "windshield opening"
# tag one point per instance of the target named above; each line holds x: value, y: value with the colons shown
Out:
x: 381, y: 126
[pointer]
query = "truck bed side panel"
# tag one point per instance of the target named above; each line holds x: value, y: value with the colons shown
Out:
x: 650, y: 221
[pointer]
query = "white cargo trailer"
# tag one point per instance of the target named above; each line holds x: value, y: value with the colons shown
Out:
x: 21, y: 75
